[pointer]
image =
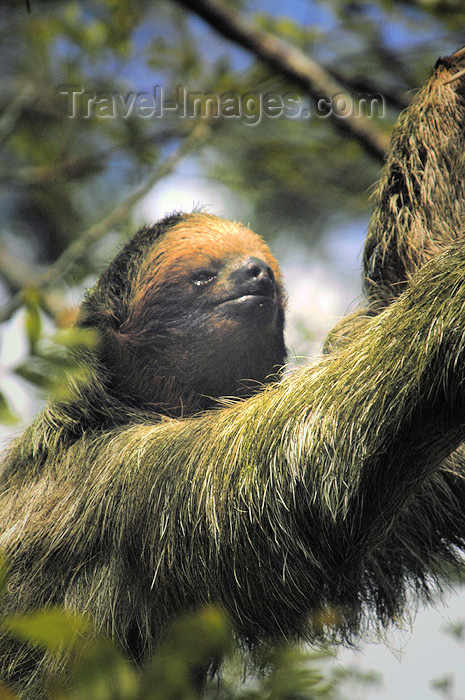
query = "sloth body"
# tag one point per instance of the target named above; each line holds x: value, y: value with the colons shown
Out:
x: 342, y: 485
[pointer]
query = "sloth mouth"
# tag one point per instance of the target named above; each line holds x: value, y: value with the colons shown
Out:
x: 253, y: 308
x: 248, y: 299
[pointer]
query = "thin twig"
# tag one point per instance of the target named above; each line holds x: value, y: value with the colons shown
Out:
x: 455, y: 77
x: 78, y: 249
x: 12, y: 113
x: 459, y: 52
x: 15, y: 273
x: 296, y: 66
x: 75, y: 167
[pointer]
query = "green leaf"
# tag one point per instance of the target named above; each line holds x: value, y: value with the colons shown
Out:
x: 32, y: 375
x: 51, y: 629
x: 33, y: 321
x: 7, y: 416
x: 73, y: 338
x: 101, y: 672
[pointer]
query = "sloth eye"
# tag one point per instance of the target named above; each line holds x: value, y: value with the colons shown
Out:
x: 203, y: 276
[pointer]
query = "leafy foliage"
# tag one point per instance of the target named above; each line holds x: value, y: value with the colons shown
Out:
x: 291, y: 173
x: 99, y: 671
x: 59, y: 175
x: 61, y: 171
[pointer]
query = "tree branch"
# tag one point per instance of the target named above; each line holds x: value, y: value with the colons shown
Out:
x: 397, y: 99
x: 12, y: 113
x: 14, y: 272
x: 119, y: 214
x: 294, y: 65
x: 74, y: 168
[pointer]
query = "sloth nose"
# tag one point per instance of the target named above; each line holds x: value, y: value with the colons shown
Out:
x: 255, y: 276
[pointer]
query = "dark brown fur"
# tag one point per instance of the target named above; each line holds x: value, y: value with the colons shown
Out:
x: 323, y: 490
x: 163, y: 332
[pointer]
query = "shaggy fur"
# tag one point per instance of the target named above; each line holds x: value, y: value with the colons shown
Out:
x: 327, y: 489
x: 419, y: 201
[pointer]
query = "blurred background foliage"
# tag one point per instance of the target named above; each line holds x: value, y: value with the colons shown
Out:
x: 97, y: 671
x: 70, y: 190
x: 61, y: 176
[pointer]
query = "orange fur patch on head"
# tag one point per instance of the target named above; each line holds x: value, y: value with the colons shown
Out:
x: 197, y: 241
